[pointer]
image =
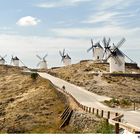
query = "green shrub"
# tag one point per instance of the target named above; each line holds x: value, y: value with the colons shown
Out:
x: 105, y: 128
x: 125, y: 102
x: 34, y: 76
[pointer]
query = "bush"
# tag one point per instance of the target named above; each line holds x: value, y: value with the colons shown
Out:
x: 34, y: 76
x: 105, y: 128
x: 125, y: 102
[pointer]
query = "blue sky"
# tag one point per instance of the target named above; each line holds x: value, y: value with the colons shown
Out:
x: 30, y: 27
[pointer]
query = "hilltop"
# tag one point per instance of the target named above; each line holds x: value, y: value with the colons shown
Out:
x: 87, y: 74
x: 35, y: 106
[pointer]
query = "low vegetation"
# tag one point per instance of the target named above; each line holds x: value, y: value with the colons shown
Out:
x: 88, y: 75
x: 118, y: 103
x: 34, y: 107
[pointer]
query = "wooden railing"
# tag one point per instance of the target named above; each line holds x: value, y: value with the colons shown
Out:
x: 113, y: 118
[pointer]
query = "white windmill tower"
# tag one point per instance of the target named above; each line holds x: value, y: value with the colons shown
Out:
x: 117, y: 58
x: 97, y: 50
x: 43, y: 63
x: 15, y: 61
x: 2, y: 60
x: 65, y: 58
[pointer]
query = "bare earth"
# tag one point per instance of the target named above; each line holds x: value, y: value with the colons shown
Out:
x: 85, y: 74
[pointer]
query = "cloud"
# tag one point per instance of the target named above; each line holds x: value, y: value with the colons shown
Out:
x: 113, y: 31
x: 118, y: 4
x: 101, y: 17
x: 26, y: 47
x: 61, y: 3
x: 28, y: 21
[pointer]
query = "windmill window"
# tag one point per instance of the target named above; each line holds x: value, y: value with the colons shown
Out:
x: 97, y: 57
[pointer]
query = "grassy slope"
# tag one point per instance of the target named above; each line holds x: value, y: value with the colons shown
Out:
x: 27, y: 106
x: 117, y: 87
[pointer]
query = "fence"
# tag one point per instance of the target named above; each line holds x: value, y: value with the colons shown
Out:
x: 113, y: 118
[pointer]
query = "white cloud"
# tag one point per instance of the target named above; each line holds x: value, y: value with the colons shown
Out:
x: 101, y: 17
x: 113, y: 31
x: 117, y: 4
x: 61, y: 3
x: 28, y: 21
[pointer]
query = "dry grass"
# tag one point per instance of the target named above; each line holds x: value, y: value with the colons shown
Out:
x: 84, y: 75
x: 28, y: 106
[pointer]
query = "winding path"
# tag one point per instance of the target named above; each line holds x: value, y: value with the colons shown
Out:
x: 92, y: 100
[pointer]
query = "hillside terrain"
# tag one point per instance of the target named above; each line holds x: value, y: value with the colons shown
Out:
x: 34, y: 106
x: 27, y: 106
x: 124, y: 90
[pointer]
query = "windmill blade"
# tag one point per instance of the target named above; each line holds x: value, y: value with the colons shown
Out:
x: 62, y: 59
x: 118, y: 60
x: 120, y: 43
x: 108, y: 42
x: 90, y: 49
x: 63, y: 52
x: 22, y: 63
x: 45, y: 56
x: 128, y: 57
x: 60, y: 53
x: 38, y: 64
x: 38, y: 57
x: 108, y: 57
x: 104, y: 41
x: 5, y: 56
x: 104, y: 53
x: 99, y: 45
x: 92, y: 42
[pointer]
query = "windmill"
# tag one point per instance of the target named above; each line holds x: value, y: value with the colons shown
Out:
x: 15, y: 61
x: 107, y: 47
x: 97, y: 50
x: 116, y: 57
x: 65, y: 58
x: 2, y: 60
x: 42, y: 63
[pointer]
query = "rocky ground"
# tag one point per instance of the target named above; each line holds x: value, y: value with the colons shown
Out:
x: 34, y: 106
x: 123, y: 90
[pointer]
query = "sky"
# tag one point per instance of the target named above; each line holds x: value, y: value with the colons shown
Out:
x: 30, y: 27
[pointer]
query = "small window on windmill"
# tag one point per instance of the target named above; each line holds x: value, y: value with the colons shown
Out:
x: 97, y: 57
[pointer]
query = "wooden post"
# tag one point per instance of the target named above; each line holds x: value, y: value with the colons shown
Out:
x: 86, y: 109
x: 102, y: 113
x: 97, y: 112
x: 107, y: 121
x: 89, y: 109
x: 92, y: 110
x: 134, y: 105
x: 117, y: 128
x: 108, y: 115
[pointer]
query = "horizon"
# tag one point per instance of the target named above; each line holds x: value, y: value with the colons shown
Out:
x: 44, y: 26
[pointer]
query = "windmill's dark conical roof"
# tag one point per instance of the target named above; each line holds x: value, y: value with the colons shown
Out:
x: 67, y: 57
x: 99, y: 46
x: 15, y: 58
x: 2, y: 59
